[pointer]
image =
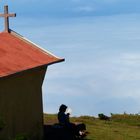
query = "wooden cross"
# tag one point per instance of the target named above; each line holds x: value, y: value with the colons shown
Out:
x: 6, y: 16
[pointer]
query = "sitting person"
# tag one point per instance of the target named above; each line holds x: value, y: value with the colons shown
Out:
x: 63, y: 119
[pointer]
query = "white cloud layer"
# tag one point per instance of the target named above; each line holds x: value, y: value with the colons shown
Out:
x: 84, y: 9
x: 101, y: 70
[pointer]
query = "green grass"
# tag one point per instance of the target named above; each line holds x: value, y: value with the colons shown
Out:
x: 120, y: 126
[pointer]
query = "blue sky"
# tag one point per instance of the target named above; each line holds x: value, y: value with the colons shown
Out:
x: 100, y: 41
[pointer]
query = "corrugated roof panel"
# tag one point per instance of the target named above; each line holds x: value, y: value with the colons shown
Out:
x: 18, y: 54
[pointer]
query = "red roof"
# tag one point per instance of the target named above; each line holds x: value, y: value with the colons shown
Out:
x: 18, y: 54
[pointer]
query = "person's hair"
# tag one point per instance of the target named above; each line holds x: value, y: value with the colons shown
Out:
x: 62, y: 108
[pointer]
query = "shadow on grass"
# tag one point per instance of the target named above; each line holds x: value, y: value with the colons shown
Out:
x: 54, y: 132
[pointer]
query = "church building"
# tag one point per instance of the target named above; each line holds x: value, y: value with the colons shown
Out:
x: 23, y: 65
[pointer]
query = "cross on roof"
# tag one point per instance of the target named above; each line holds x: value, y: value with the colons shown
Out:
x: 6, y: 16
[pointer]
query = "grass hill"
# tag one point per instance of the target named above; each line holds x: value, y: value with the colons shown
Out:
x: 119, y: 127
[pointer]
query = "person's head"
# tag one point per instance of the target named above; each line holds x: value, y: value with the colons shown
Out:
x: 62, y: 108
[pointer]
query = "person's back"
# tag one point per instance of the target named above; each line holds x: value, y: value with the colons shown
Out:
x: 63, y: 118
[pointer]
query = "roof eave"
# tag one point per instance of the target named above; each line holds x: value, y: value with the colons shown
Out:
x: 19, y: 72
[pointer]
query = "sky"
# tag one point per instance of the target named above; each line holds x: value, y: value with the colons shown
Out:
x: 100, y: 41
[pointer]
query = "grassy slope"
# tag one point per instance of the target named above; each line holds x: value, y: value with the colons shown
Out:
x: 120, y: 127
